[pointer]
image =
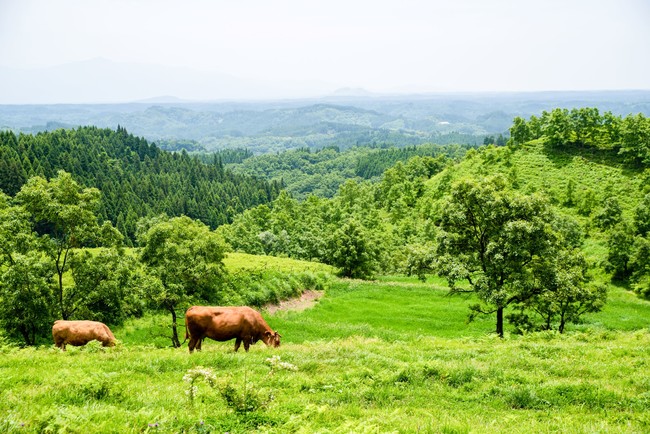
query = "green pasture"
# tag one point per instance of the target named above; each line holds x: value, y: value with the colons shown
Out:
x: 393, y: 355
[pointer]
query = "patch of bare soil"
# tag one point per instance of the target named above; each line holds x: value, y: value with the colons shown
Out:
x: 305, y: 301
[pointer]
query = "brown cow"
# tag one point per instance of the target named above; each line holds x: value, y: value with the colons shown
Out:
x: 79, y: 333
x: 224, y: 323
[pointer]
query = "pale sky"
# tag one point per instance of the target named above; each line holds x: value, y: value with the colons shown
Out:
x: 381, y: 46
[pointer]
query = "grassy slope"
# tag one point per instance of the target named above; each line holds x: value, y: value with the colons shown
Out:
x: 535, y: 168
x: 387, y: 356
x: 236, y: 262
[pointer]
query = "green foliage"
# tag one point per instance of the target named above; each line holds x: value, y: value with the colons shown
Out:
x: 619, y: 250
x: 566, y: 296
x: 186, y: 259
x: 642, y: 216
x: 586, y: 127
x: 609, y: 214
x: 304, y: 172
x: 503, y: 245
x: 350, y: 248
x: 64, y: 214
x: 635, y: 139
x: 107, y: 283
x: 135, y: 177
x: 26, y: 297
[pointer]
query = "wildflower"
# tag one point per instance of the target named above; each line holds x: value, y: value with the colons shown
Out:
x: 276, y: 363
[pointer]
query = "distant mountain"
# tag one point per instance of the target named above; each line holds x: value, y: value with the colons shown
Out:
x: 104, y: 81
x: 344, y: 121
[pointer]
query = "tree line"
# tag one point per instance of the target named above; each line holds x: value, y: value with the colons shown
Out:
x: 320, y: 172
x: 135, y: 177
x: 586, y: 127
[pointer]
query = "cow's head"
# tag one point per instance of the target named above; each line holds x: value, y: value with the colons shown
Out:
x: 272, y: 339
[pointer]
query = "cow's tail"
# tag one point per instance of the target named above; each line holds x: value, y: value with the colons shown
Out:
x: 187, y: 329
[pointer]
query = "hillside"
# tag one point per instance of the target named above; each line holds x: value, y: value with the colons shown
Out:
x: 590, y: 191
x: 135, y: 177
x: 569, y: 177
x: 322, y: 172
x: 343, y: 121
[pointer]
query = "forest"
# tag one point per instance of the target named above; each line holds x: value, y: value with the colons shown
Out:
x: 303, y: 172
x: 136, y: 178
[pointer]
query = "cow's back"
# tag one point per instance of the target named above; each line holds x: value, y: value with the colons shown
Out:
x: 81, y: 332
x: 220, y: 323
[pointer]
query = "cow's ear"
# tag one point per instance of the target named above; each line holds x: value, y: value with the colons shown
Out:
x: 268, y: 333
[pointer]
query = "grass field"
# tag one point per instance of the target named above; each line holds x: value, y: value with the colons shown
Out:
x: 392, y: 355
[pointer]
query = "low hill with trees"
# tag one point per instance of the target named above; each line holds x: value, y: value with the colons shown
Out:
x: 303, y: 172
x: 135, y: 178
x: 597, y: 196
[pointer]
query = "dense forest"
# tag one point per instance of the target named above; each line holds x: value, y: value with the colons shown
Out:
x: 135, y: 177
x: 303, y: 172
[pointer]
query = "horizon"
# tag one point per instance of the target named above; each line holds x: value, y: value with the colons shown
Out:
x: 201, y: 50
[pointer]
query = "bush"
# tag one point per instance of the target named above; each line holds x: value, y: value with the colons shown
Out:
x: 260, y: 287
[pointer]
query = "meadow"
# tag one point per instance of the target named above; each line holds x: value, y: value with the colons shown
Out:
x: 391, y: 355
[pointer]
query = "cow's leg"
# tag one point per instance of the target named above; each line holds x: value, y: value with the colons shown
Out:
x: 247, y: 344
x: 199, y: 344
x: 237, y: 344
x: 192, y: 344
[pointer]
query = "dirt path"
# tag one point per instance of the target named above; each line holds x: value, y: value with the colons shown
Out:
x: 305, y: 301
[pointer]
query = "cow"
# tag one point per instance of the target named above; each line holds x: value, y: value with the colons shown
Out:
x: 224, y: 323
x: 79, y: 333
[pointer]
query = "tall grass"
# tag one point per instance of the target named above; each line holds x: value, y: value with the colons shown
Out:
x: 386, y: 356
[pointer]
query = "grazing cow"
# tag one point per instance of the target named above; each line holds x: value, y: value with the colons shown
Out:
x: 224, y: 323
x: 79, y: 333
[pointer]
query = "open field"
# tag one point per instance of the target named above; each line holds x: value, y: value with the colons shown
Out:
x: 393, y: 355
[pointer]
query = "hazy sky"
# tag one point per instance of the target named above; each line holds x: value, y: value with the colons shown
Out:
x: 382, y: 46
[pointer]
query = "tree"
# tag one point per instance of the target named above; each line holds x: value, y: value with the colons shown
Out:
x: 25, y: 292
x: 610, y: 214
x: 642, y: 216
x: 558, y: 128
x: 585, y: 123
x: 640, y: 265
x: 619, y: 245
x: 105, y: 279
x: 186, y: 260
x: 565, y: 296
x: 635, y: 139
x: 351, y: 249
x: 64, y: 214
x: 519, y: 131
x: 498, y: 241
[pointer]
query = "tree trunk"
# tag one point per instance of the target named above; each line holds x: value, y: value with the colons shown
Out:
x: 64, y: 314
x: 500, y: 321
x: 175, y: 342
x: 29, y: 340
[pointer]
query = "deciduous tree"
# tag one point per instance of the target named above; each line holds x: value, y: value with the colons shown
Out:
x: 499, y: 242
x: 186, y: 259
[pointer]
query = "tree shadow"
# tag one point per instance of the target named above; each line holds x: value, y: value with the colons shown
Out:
x: 562, y: 157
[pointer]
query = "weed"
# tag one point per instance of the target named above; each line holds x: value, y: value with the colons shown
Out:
x: 277, y: 364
